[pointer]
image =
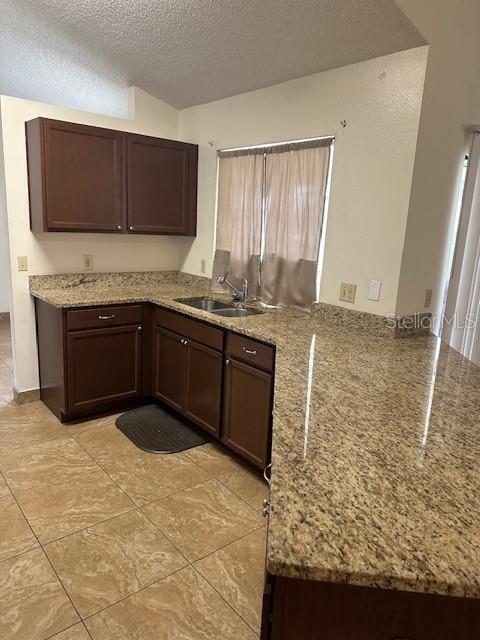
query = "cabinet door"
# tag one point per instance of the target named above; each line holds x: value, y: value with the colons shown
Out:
x: 162, y: 186
x: 83, y: 181
x: 247, y: 411
x: 170, y: 368
x: 103, y: 366
x: 204, y: 386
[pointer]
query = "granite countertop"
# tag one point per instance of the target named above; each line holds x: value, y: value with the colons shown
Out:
x: 376, y: 448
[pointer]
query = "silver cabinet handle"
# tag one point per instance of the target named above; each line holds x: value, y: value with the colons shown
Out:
x: 250, y: 352
x: 266, y: 475
x: 107, y: 317
x: 266, y: 508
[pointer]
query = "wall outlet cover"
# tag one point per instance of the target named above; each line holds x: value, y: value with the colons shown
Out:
x: 348, y: 292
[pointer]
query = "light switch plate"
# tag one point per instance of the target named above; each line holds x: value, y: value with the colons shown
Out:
x: 22, y: 263
x: 428, y: 298
x: 348, y: 292
x: 374, y: 290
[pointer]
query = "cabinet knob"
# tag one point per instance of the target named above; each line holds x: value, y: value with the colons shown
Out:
x: 139, y: 328
x: 184, y: 342
x: 227, y: 362
x: 131, y: 228
x: 119, y: 227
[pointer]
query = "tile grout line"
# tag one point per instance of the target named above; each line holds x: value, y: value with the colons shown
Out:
x: 63, y: 586
x: 211, y: 553
x: 140, y: 509
x: 189, y: 562
x: 239, y: 496
x: 41, y: 547
x: 133, y: 508
x: 71, y: 627
x: 224, y: 600
x: 109, y: 606
x: 90, y: 526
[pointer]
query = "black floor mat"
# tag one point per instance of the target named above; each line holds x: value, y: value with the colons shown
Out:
x: 155, y: 429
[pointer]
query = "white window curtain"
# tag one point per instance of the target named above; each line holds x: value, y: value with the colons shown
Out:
x: 239, y: 220
x: 295, y: 187
x: 270, y: 211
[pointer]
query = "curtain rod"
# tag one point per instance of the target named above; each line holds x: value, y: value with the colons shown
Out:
x: 277, y: 147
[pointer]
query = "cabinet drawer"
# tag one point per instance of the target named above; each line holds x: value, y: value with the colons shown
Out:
x: 193, y: 329
x: 255, y: 353
x: 103, y: 317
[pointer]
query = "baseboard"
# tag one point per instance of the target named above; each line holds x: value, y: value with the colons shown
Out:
x: 22, y: 397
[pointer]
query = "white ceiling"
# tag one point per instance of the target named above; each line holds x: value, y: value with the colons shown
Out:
x: 194, y: 51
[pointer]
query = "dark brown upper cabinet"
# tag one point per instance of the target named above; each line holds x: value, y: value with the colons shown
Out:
x: 90, y: 179
x: 161, y: 185
x: 75, y: 177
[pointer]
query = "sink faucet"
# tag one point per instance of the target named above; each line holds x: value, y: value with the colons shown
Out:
x: 239, y: 295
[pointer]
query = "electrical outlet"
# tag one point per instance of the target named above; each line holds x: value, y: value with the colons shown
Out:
x: 348, y: 292
x: 87, y: 262
x: 428, y: 299
x: 203, y: 265
x: 22, y: 263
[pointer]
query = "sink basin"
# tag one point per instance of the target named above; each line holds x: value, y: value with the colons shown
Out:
x: 236, y: 313
x: 206, y: 304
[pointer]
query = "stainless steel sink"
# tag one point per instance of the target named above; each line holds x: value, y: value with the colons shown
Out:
x: 218, y: 308
x: 206, y: 304
x: 236, y: 313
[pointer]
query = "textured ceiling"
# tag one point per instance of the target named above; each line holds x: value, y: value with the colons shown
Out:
x: 39, y: 61
x: 193, y: 51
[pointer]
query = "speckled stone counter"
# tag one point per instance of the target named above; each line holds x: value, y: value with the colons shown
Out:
x: 376, y: 446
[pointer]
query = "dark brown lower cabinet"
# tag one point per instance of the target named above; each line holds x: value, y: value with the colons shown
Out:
x: 93, y: 360
x: 204, y: 386
x: 170, y: 368
x: 188, y: 378
x: 247, y: 411
x: 309, y: 610
x: 103, y: 366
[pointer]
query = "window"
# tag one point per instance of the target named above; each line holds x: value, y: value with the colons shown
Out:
x: 270, y: 216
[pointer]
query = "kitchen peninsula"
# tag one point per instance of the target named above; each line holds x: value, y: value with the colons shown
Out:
x: 374, y: 498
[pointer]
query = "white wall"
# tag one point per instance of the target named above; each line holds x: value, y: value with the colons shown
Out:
x: 451, y: 101
x: 4, y: 259
x: 380, y: 99
x: 60, y: 253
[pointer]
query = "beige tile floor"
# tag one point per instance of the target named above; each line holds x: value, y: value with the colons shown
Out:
x: 101, y: 541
